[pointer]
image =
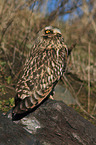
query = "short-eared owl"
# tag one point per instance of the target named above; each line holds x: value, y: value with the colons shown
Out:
x: 42, y: 70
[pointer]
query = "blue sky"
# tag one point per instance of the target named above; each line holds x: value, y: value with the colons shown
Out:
x: 53, y: 4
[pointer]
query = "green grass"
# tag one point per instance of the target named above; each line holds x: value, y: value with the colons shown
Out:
x: 6, y: 105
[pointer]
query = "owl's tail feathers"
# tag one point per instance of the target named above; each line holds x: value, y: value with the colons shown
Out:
x: 16, y: 116
x: 26, y: 106
x: 22, y: 108
x: 30, y: 103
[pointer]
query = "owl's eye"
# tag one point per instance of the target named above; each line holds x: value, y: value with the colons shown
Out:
x: 48, y: 32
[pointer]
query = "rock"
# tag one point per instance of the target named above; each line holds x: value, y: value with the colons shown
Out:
x: 63, y: 94
x: 54, y: 123
x: 14, y: 134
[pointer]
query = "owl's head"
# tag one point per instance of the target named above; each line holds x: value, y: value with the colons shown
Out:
x: 51, y: 31
x: 49, y: 38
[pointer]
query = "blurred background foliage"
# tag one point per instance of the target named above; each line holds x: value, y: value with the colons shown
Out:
x: 20, y: 21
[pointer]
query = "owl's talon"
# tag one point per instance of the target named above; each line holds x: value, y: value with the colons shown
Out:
x: 51, y: 97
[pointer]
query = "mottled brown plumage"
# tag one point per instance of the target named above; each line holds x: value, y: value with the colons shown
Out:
x: 42, y: 70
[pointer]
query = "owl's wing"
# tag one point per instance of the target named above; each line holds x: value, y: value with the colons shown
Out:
x: 39, y: 78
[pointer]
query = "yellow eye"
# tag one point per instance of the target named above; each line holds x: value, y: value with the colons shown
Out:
x: 47, y: 31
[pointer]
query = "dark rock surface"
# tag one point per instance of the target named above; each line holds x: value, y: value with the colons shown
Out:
x: 52, y: 123
x: 13, y: 134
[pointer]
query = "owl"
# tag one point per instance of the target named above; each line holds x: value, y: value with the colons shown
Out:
x: 42, y: 70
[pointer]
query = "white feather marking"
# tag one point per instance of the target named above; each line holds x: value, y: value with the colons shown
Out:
x: 43, y: 80
x: 48, y: 70
x: 35, y: 95
x: 31, y: 99
x: 51, y: 77
x: 58, y: 73
x: 53, y: 64
x: 44, y: 86
x: 23, y: 96
x: 19, y: 90
x: 26, y: 104
x: 57, y: 53
x: 48, y: 78
x: 55, y: 69
x: 56, y: 30
x: 40, y: 92
x: 60, y: 69
x: 21, y: 107
x: 48, y: 27
x: 41, y: 86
